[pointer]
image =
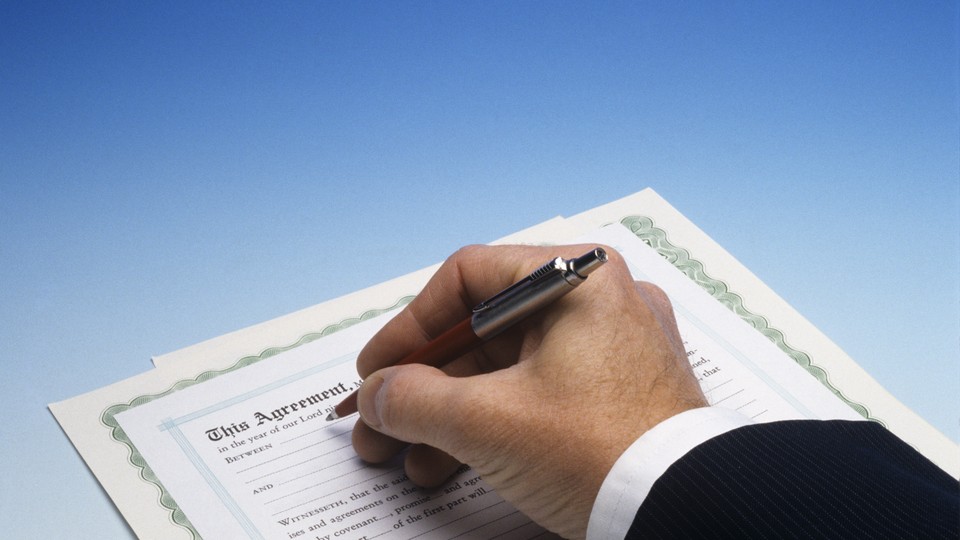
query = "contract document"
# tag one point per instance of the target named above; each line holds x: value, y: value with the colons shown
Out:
x: 249, y: 454
x: 227, y: 438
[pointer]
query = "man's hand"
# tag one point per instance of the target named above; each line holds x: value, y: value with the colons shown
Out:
x: 542, y: 411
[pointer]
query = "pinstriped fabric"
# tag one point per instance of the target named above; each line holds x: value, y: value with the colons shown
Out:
x: 802, y: 479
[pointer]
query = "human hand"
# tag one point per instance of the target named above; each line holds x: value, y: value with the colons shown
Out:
x: 542, y: 411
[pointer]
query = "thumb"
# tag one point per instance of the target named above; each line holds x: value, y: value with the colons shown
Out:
x: 414, y: 403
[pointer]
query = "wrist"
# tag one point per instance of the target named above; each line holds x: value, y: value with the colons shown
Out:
x: 629, y: 480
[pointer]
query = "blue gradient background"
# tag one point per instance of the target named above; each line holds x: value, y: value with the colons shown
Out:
x: 173, y: 171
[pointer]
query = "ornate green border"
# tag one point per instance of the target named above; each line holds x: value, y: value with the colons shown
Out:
x: 644, y: 228
x: 108, y: 420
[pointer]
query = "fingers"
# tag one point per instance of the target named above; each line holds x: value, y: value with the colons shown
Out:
x: 425, y: 465
x: 373, y: 446
x: 409, y: 402
x: 412, y: 404
x: 429, y: 467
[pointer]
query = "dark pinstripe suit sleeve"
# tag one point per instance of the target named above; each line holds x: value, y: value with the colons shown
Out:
x: 802, y: 479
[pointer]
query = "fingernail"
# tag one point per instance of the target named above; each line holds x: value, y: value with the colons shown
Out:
x: 369, y: 399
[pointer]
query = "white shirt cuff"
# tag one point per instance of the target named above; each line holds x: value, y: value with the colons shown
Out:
x: 629, y: 481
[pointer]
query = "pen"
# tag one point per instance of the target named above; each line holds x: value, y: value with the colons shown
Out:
x: 490, y: 317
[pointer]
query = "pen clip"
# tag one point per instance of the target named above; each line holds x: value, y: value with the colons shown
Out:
x: 557, y: 265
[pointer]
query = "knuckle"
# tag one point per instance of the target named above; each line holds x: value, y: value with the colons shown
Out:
x: 468, y: 252
x: 613, y: 256
x: 654, y: 294
x: 391, y: 400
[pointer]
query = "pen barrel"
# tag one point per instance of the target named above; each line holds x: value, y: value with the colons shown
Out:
x: 521, y: 303
x: 544, y: 286
x: 446, y: 347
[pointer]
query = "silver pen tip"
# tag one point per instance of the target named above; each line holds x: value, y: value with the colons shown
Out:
x: 332, y: 416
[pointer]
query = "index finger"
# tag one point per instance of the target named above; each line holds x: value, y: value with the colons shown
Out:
x: 470, y: 276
